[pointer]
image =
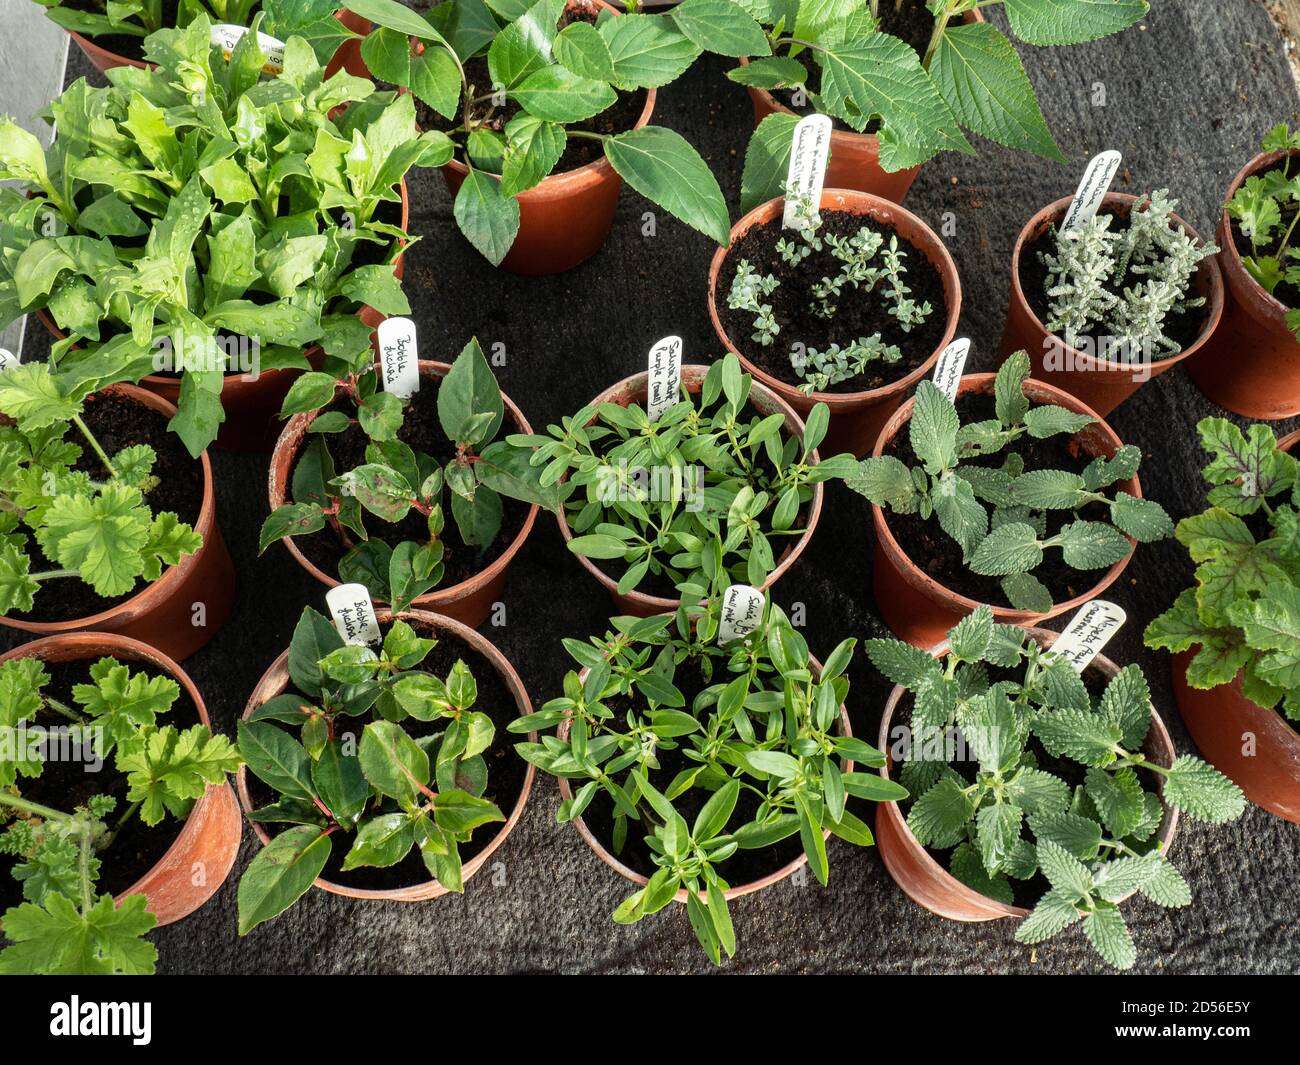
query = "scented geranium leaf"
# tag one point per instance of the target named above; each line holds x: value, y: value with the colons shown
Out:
x: 1143, y: 519
x: 886, y: 482
x: 1092, y: 545
x: 960, y: 514
x: 122, y: 702
x: 1127, y: 702
x: 1118, y: 799
x: 31, y: 397
x: 1082, y: 735
x: 1050, y: 420
x: 488, y: 218
x: 1201, y: 791
x: 101, y: 537
x: 533, y: 147
x: 1232, y: 566
x: 1222, y: 655
x: 648, y: 51
x: 280, y: 874
x: 967, y: 866
x: 167, y: 770
x: 1179, y: 627
x: 1024, y: 591
x: 900, y: 662
x: 661, y: 165
x: 17, y: 588
x: 1166, y: 886
x: 1106, y: 931
x: 1071, y: 21
x: 556, y: 94
x: 940, y: 816
x: 721, y: 27
x: 767, y: 159
x: 1245, y: 469
x: 169, y: 541
x: 1272, y: 624
x: 57, y: 939
x: 1010, y: 548
x: 933, y: 429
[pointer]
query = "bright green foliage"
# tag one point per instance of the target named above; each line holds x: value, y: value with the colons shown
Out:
x: 1000, y: 514
x: 1244, y: 613
x: 395, y: 479
x: 386, y: 790
x: 61, y: 517
x: 698, y: 496
x: 763, y: 725
x: 974, y: 762
x: 199, y: 218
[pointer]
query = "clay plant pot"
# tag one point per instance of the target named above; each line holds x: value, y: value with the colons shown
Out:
x: 927, y: 882
x: 209, y: 839
x: 1252, y: 364
x: 162, y: 614
x: 1101, y: 384
x: 735, y: 892
x: 918, y: 608
x: 468, y: 602
x: 856, y: 417
x: 275, y: 681
x: 633, y: 390
x: 855, y: 157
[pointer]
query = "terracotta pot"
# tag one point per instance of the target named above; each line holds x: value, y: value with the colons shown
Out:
x: 633, y: 390
x: 856, y: 417
x: 1252, y: 364
x: 927, y: 882
x: 468, y: 602
x: 162, y: 613
x: 735, y: 892
x: 276, y: 680
x: 855, y: 157
x: 252, y: 404
x: 209, y: 839
x: 918, y: 608
x: 1100, y: 383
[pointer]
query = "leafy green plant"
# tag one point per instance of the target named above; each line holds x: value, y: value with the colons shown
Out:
x: 63, y: 926
x: 695, y: 498
x: 1092, y: 821
x: 917, y: 104
x: 754, y: 733
x: 62, y: 519
x: 197, y: 204
x: 1126, y: 284
x: 396, y: 479
x: 1244, y: 613
x: 1265, y: 209
x: 999, y: 515
x: 387, y: 792
x: 546, y: 74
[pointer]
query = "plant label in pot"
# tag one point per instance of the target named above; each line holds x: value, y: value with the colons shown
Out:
x: 948, y: 370
x: 1093, y: 186
x: 809, y: 154
x: 399, y: 355
x: 663, y: 385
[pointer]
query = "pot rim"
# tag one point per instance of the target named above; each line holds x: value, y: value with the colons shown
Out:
x: 1045, y: 218
x: 1157, y: 737
x: 1289, y: 441
x: 983, y: 382
x: 276, y: 680
x: 1228, y: 247
x: 884, y: 213
x: 693, y: 374
x: 295, y: 432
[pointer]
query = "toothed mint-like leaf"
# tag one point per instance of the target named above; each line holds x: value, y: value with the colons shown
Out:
x: 1056, y: 910
x: 1106, y: 930
x: 1082, y: 735
x: 938, y: 818
x: 1010, y: 548
x: 1201, y: 791
x: 1089, y: 545
x: 1143, y: 519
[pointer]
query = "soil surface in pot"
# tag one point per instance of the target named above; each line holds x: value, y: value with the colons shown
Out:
x: 859, y: 314
x: 505, y: 769
x: 65, y: 785
x: 422, y: 431
x: 118, y: 422
x: 1285, y: 292
x: 939, y: 556
x: 743, y: 867
x: 1181, y: 326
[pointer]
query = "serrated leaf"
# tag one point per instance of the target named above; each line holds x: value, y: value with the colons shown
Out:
x: 1201, y: 791
x: 661, y: 165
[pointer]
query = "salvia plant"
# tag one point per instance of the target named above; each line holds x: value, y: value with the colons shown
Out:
x: 969, y: 76
x: 1124, y: 285
x: 1086, y: 818
x: 1265, y: 209
x: 65, y: 925
x: 760, y: 745
x: 556, y: 76
x: 383, y: 793
x: 218, y: 219
x: 1244, y: 613
x: 69, y: 509
x: 1000, y: 514
x: 396, y: 480
x: 696, y: 498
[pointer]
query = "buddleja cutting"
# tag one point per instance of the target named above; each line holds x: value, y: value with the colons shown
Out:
x: 388, y: 793
x: 1265, y: 209
x: 396, y: 479
x: 1096, y: 840
x: 1244, y: 613
x: 65, y: 518
x: 763, y: 738
x: 64, y: 926
x: 1123, y: 287
x: 1000, y: 515
x: 969, y: 76
x: 218, y: 220
x: 558, y: 76
x: 697, y: 497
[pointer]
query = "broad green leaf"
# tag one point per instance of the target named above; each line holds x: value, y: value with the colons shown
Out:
x: 488, y: 218
x: 281, y: 873
x: 663, y: 167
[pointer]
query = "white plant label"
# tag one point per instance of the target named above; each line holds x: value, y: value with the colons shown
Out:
x: 948, y: 370
x: 1092, y: 189
x: 742, y: 610
x: 7, y: 359
x: 225, y: 36
x: 400, y: 356
x: 1088, y: 632
x: 353, y: 613
x: 810, y: 149
x: 664, y: 376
